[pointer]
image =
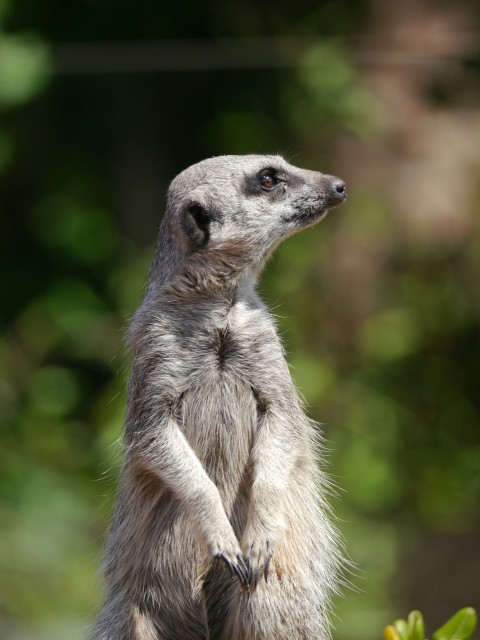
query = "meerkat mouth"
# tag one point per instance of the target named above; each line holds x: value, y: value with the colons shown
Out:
x: 304, y: 217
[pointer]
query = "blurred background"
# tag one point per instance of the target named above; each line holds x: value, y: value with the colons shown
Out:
x: 101, y: 105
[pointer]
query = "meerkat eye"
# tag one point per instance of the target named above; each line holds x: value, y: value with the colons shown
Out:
x: 267, y: 181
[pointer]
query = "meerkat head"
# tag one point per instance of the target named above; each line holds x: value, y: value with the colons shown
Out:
x: 251, y: 202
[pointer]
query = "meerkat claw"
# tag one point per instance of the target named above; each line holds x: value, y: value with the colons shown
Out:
x: 242, y: 576
x: 248, y: 569
x: 265, y: 570
x: 244, y: 564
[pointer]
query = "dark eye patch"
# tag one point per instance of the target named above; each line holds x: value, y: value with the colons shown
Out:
x: 263, y: 181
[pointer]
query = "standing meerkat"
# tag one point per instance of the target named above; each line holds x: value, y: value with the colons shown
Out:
x: 220, y: 529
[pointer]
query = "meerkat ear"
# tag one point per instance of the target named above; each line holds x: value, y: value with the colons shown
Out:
x: 195, y: 222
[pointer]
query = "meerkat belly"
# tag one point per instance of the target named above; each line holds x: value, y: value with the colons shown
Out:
x: 219, y: 419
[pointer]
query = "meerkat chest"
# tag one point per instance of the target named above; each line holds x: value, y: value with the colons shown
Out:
x: 219, y: 420
x: 219, y: 409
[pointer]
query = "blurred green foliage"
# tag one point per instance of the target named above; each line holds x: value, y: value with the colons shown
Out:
x: 24, y: 68
x: 459, y: 627
x: 382, y: 329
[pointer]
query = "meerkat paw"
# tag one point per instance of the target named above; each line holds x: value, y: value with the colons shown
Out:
x: 231, y: 555
x: 258, y: 552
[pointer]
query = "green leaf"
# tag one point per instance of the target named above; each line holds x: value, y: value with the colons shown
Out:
x: 460, y: 626
x: 416, y: 628
x: 390, y: 633
x: 401, y: 628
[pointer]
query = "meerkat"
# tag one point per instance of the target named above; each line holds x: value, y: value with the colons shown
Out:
x: 221, y: 529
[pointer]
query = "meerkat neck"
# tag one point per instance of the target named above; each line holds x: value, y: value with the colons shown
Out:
x: 213, y: 274
x: 223, y: 272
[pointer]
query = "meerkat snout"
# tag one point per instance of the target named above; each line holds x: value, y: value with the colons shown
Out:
x: 333, y: 188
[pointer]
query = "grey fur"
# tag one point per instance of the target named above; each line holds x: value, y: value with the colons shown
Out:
x: 220, y: 481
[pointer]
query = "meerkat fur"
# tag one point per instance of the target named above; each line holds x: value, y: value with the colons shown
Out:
x: 221, y: 528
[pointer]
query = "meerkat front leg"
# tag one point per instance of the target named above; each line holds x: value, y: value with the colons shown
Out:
x: 273, y: 458
x: 170, y: 456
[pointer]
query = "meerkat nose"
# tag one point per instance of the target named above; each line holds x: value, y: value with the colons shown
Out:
x: 340, y: 189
